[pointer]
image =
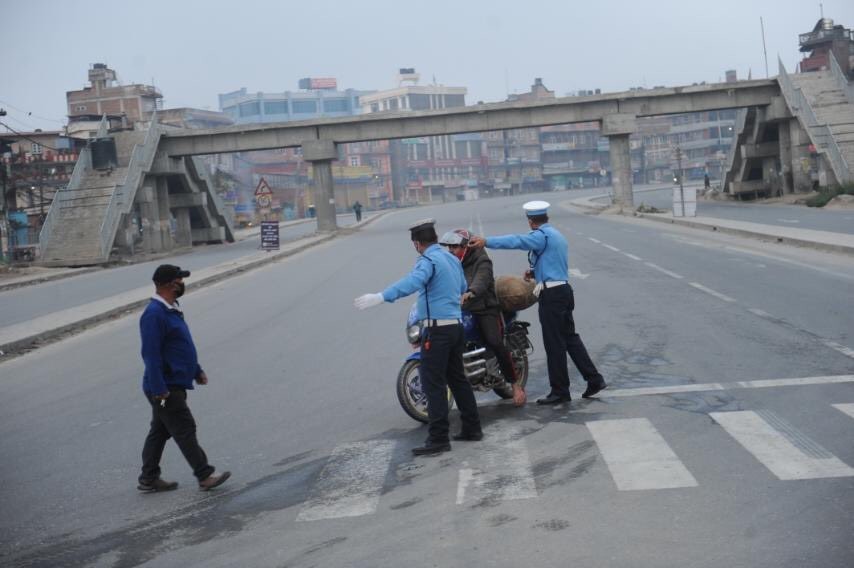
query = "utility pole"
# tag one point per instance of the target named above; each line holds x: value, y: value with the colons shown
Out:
x: 764, y: 49
x: 679, y: 170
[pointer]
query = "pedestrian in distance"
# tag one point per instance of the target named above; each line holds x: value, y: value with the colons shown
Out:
x: 439, y: 280
x: 548, y: 254
x: 171, y: 367
x: 481, y: 301
x: 706, y: 183
x: 357, y: 209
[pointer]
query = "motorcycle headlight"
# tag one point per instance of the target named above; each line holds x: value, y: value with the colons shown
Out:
x: 413, y: 333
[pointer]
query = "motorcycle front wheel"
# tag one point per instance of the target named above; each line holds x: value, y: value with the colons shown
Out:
x: 505, y: 391
x: 410, y: 394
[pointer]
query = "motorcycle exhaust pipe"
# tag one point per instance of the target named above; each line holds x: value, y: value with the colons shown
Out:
x: 474, y: 353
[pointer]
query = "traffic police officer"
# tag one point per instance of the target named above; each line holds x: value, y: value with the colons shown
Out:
x: 439, y: 280
x: 547, y: 256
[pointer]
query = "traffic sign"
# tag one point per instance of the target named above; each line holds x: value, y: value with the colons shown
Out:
x: 263, y: 188
x: 270, y: 235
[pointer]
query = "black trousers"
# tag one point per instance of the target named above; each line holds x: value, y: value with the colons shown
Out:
x: 174, y: 420
x: 559, y: 338
x: 441, y: 369
x: 491, y: 328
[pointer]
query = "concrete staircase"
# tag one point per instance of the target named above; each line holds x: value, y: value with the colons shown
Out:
x: 831, y: 107
x: 83, y: 217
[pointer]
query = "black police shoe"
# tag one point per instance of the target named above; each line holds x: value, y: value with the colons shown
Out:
x: 432, y: 448
x: 594, y: 387
x: 468, y: 436
x: 553, y: 398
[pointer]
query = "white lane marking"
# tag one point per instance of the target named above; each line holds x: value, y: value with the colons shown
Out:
x: 500, y: 469
x: 766, y: 383
x: 351, y: 481
x: 575, y: 273
x: 711, y: 292
x: 789, y: 220
x: 760, y: 313
x: 480, y: 225
x: 848, y: 352
x: 615, y: 249
x: 847, y: 408
x: 631, y: 256
x: 597, y: 241
x: 665, y: 271
x: 637, y: 456
x: 701, y: 387
x: 787, y: 453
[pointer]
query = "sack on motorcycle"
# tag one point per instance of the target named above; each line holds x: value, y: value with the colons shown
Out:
x: 514, y: 293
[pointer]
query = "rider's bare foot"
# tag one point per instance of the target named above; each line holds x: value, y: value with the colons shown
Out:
x: 519, y: 396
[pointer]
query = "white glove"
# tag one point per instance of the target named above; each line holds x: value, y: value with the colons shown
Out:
x: 537, y: 289
x: 368, y: 301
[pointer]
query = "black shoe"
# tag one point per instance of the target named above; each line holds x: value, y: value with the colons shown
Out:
x: 468, y: 436
x: 594, y: 387
x: 554, y: 399
x: 157, y: 485
x: 432, y: 448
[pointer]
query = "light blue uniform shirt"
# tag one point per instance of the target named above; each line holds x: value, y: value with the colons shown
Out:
x: 548, y: 251
x: 439, y: 280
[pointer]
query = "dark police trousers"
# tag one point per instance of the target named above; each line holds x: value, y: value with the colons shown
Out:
x: 442, y: 368
x: 491, y: 329
x: 559, y: 338
x: 174, y: 420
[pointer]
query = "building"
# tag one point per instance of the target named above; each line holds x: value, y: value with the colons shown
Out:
x: 320, y: 98
x: 434, y: 168
x: 124, y: 105
x: 35, y: 165
x: 824, y: 39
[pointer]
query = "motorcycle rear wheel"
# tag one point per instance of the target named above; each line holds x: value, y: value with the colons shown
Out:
x: 410, y: 394
x: 505, y: 391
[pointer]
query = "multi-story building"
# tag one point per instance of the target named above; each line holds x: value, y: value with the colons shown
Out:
x: 826, y: 38
x: 123, y: 104
x: 319, y: 98
x: 434, y: 168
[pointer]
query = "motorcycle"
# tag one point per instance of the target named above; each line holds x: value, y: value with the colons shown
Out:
x: 480, y: 365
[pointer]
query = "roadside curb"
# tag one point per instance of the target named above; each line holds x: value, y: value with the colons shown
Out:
x: 23, y: 345
x: 47, y: 278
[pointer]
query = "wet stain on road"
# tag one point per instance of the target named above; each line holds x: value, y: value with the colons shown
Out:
x: 406, y: 504
x: 552, y: 525
x: 498, y: 520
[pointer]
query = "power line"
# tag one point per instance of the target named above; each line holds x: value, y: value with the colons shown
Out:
x: 10, y: 105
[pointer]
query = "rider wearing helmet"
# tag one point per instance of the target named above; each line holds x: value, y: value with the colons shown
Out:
x: 480, y: 300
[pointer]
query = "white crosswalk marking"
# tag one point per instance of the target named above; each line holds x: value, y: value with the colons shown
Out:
x: 637, y: 456
x: 350, y: 483
x: 499, y: 470
x: 788, y: 453
x: 846, y: 408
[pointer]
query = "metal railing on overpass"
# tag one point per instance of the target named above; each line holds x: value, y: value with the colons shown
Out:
x: 820, y: 134
x: 841, y: 80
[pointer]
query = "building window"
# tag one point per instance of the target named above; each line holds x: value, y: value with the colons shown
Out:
x: 336, y: 105
x: 250, y: 109
x: 354, y: 161
x: 36, y: 148
x: 304, y: 107
x: 80, y: 108
x: 276, y: 107
x: 375, y: 107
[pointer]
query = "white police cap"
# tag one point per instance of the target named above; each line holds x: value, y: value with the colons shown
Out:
x: 535, y: 208
x: 422, y: 224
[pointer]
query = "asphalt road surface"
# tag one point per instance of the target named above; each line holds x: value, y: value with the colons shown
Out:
x: 795, y: 216
x: 734, y: 448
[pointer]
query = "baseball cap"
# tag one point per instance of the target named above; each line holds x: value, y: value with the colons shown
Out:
x: 166, y: 273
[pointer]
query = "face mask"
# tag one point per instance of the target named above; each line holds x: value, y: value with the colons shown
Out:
x: 460, y: 252
x: 179, y: 289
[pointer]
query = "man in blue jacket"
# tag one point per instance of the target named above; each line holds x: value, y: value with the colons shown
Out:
x: 171, y: 366
x: 549, y: 266
x: 439, y: 280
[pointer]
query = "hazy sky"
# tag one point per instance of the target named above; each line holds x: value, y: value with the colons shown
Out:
x: 193, y: 50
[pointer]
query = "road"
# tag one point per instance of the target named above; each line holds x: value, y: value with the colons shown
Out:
x: 29, y: 302
x: 705, y: 467
x: 795, y: 216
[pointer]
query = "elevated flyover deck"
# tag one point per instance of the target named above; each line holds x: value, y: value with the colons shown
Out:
x: 476, y: 118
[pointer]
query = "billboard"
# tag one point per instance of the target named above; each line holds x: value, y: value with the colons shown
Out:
x: 314, y: 83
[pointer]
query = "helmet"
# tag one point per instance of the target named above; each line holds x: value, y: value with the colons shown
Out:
x: 457, y: 237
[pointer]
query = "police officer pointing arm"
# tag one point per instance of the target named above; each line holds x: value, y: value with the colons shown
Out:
x: 439, y: 280
x: 548, y: 261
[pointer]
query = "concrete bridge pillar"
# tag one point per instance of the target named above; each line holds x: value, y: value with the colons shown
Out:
x: 321, y: 153
x: 183, y: 228
x: 150, y: 214
x: 799, y: 142
x: 166, y: 240
x: 618, y: 127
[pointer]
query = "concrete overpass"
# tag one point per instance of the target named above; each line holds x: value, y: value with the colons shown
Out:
x: 617, y: 112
